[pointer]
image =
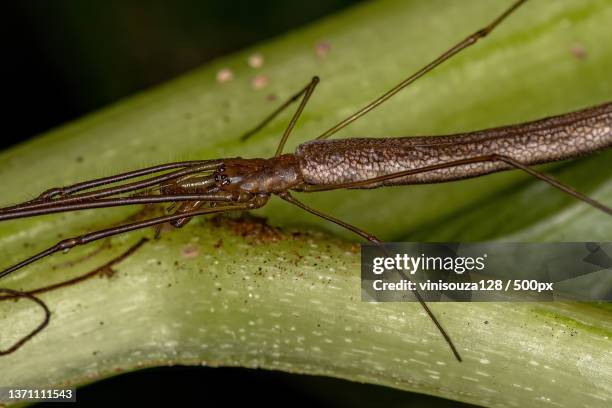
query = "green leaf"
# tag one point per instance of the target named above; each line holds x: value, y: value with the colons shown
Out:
x: 206, y: 294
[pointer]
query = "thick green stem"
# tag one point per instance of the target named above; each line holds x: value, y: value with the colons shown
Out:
x: 206, y: 294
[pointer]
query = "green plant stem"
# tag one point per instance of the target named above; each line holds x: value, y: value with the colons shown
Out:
x: 207, y: 295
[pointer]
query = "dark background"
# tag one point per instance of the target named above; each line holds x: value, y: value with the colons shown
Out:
x: 63, y: 59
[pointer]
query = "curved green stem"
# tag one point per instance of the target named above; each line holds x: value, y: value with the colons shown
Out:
x: 236, y: 293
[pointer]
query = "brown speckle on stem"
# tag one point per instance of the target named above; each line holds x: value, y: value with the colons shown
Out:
x: 256, y: 229
x: 190, y: 251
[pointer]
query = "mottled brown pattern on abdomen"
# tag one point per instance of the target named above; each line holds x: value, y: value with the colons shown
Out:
x: 325, y: 162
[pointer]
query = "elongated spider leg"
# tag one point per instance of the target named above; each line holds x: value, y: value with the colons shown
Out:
x: 30, y: 294
x: 106, y: 192
x: 308, y: 93
x: 307, y: 89
x: 66, y: 244
x: 457, y: 48
x: 289, y: 198
x: 66, y: 190
x: 116, y: 202
x: 85, y: 276
x: 19, y: 294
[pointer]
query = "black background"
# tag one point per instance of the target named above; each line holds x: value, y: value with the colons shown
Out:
x: 64, y: 58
